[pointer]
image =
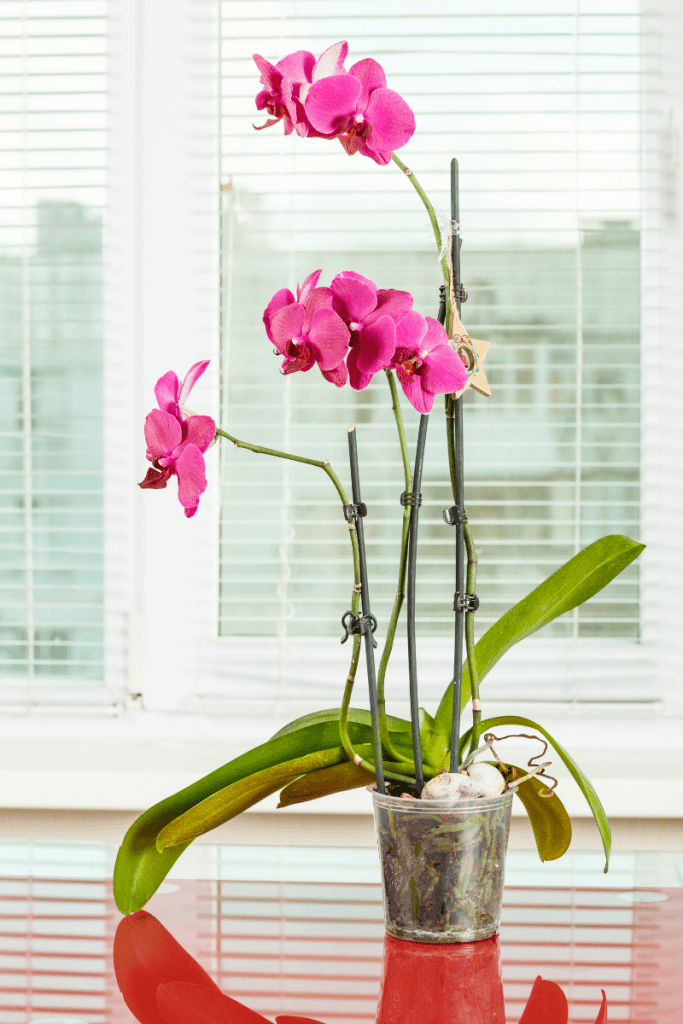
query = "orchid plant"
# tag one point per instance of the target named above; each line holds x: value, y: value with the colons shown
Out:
x: 352, y: 330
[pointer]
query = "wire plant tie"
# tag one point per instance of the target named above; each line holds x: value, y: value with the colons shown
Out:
x: 358, y: 624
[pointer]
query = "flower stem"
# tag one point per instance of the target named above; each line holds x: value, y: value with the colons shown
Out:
x: 355, y: 597
x: 432, y: 216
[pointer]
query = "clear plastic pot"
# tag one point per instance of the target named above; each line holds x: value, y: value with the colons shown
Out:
x: 443, y: 866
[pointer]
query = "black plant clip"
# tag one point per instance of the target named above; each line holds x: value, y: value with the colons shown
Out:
x: 410, y: 498
x: 460, y: 293
x: 465, y: 603
x: 455, y: 515
x: 357, y: 511
x: 358, y: 624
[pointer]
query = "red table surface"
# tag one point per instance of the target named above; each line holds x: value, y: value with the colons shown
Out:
x: 316, y: 949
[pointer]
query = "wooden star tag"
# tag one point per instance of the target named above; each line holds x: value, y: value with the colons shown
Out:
x: 474, y: 350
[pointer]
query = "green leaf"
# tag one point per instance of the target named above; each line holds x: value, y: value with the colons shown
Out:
x: 357, y: 716
x: 433, y: 748
x: 549, y: 819
x: 337, y: 779
x: 237, y: 797
x: 581, y: 780
x: 140, y: 868
x: 575, y: 582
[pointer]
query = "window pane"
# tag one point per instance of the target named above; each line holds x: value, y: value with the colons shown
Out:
x: 542, y: 110
x: 53, y: 120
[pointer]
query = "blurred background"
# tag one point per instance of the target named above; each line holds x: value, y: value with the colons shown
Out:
x: 144, y: 225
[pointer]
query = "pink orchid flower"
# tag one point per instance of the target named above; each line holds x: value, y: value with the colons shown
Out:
x: 371, y: 314
x: 176, y: 442
x: 287, y: 82
x: 358, y: 109
x: 425, y: 363
x: 306, y: 330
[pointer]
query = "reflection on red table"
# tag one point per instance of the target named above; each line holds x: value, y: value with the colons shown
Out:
x: 315, y: 949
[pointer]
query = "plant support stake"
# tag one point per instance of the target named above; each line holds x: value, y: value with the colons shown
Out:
x: 367, y: 619
x: 414, y: 499
x: 456, y: 425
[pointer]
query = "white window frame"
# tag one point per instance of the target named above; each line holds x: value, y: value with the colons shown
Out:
x: 165, y: 159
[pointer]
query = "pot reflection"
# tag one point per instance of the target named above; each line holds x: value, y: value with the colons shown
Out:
x: 428, y: 984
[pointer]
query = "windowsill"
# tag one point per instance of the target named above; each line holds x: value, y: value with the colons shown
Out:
x: 130, y: 762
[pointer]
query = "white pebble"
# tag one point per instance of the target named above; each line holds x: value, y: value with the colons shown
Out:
x: 452, y: 786
x: 488, y: 776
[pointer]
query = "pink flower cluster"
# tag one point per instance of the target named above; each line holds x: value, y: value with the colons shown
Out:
x: 319, y: 98
x: 353, y: 329
x: 176, y: 441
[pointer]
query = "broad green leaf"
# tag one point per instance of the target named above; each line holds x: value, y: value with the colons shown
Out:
x: 575, y: 582
x: 140, y: 868
x: 232, y: 800
x: 581, y: 780
x: 337, y: 779
x: 434, y: 750
x: 330, y: 716
x: 547, y: 814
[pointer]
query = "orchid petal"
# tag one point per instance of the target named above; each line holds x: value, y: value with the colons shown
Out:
x: 309, y: 284
x: 393, y: 303
x: 199, y: 431
x: 352, y: 143
x: 303, y: 362
x: 411, y: 383
x: 268, y: 124
x: 163, y: 433
x: 377, y: 345
x: 382, y: 158
x: 191, y: 378
x: 329, y: 335
x: 410, y: 330
x: 298, y: 66
x: 435, y: 335
x: 392, y: 120
x: 446, y: 372
x: 371, y: 76
x: 358, y: 380
x: 330, y: 62
x: 182, y: 1003
x: 282, y: 298
x: 156, y: 479
x: 331, y: 102
x: 270, y: 76
x: 317, y: 298
x: 287, y: 324
x: 166, y: 392
x: 338, y: 376
x: 191, y: 476
x: 355, y: 297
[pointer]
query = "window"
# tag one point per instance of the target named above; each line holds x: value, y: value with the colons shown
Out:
x: 563, y: 117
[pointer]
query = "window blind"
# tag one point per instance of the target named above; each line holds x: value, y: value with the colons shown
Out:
x: 53, y: 124
x: 541, y: 107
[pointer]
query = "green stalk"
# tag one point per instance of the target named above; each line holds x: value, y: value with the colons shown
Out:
x: 355, y: 597
x: 432, y: 216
